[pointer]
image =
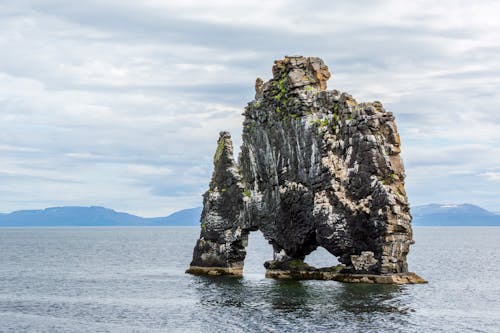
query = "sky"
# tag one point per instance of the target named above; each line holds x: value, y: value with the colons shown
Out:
x: 119, y: 103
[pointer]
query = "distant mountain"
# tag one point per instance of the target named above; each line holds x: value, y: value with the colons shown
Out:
x: 426, y: 215
x: 453, y: 215
x: 185, y: 217
x: 94, y: 216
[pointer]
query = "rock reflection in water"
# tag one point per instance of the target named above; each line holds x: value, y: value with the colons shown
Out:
x: 367, y: 298
x: 289, y: 296
x: 326, y: 300
x: 221, y: 291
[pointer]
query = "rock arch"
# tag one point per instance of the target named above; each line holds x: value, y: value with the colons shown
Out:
x: 316, y: 168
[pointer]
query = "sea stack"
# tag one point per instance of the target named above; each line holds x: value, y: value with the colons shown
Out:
x: 316, y: 168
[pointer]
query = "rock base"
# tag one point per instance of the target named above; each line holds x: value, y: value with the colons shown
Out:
x: 396, y: 278
x: 316, y: 274
x: 215, y: 271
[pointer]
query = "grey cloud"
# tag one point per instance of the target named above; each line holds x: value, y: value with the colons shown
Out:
x: 90, y: 89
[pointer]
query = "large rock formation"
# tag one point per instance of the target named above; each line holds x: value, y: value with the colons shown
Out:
x: 316, y: 168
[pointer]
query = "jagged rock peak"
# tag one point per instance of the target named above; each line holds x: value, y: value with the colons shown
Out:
x: 223, y: 160
x: 294, y: 73
x: 300, y: 71
x: 316, y: 168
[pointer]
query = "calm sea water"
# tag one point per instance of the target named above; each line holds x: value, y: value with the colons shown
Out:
x: 132, y: 280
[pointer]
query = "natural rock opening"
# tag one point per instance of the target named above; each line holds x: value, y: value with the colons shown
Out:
x: 316, y: 168
x: 258, y: 251
x: 321, y: 258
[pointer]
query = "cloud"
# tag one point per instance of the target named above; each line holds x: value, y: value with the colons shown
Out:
x: 493, y: 176
x: 121, y: 105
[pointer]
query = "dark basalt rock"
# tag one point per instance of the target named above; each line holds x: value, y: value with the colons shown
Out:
x: 316, y: 168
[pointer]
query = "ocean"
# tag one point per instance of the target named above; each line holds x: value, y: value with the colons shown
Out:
x: 126, y: 279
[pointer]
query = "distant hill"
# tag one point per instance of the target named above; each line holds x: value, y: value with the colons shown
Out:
x: 453, y: 215
x: 185, y: 217
x: 426, y: 215
x: 94, y: 216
